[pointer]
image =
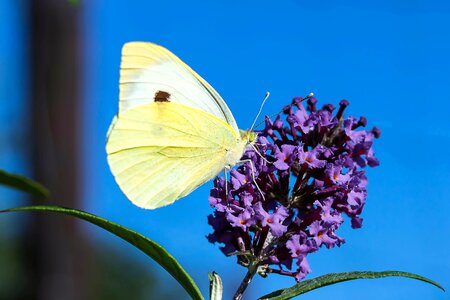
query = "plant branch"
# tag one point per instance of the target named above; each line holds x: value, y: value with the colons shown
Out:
x: 247, y: 279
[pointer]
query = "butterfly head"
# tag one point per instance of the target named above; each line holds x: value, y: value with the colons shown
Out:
x: 248, y: 136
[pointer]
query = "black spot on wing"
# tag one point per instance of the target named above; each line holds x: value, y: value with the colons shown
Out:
x: 162, y: 96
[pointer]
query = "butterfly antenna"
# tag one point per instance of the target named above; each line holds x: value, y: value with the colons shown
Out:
x: 276, y: 114
x: 309, y: 96
x: 260, y: 109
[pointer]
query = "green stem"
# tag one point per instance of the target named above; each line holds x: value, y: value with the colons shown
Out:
x: 245, y: 282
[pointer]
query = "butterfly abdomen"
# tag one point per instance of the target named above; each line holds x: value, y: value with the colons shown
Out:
x: 234, y: 154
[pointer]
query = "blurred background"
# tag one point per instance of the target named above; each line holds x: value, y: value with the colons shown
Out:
x: 59, y: 70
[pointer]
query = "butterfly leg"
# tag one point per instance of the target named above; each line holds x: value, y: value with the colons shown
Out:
x: 253, y: 175
x: 225, y: 170
x: 260, y: 155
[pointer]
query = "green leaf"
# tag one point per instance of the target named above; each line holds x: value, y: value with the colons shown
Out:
x: 149, y: 247
x: 332, y: 278
x: 215, y: 286
x: 23, y: 183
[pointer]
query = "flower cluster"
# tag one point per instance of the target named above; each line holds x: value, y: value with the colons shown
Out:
x: 290, y: 196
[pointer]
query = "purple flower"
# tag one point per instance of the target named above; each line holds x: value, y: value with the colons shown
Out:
x: 238, y: 179
x: 284, y: 157
x: 310, y: 158
x: 244, y: 219
x: 355, y: 198
x: 299, y: 245
x: 323, y: 234
x: 303, y: 268
x: 273, y: 220
x: 334, y: 173
x: 309, y: 177
x: 327, y: 214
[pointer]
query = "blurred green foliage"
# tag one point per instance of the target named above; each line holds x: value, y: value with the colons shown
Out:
x: 121, y: 276
x: 13, y: 280
x: 74, y: 2
x: 115, y: 275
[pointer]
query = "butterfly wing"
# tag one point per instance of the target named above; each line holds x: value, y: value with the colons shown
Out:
x: 159, y: 152
x: 148, y: 69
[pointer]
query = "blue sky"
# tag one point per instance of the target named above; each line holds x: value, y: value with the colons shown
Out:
x: 13, y: 90
x: 390, y: 60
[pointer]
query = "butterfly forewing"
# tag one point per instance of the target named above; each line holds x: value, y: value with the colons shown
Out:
x: 147, y: 69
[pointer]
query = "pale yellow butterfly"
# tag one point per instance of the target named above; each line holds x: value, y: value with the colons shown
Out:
x: 173, y: 131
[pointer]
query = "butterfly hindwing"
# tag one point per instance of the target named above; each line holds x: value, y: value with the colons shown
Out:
x: 162, y: 151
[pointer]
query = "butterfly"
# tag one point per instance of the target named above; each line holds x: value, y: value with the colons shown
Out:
x: 173, y: 131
